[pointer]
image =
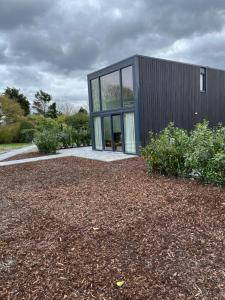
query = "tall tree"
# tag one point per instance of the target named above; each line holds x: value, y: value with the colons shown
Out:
x: 41, y: 103
x: 14, y: 94
x: 52, y: 111
x: 11, y: 111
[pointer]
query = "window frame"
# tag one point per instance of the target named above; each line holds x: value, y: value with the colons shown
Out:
x: 121, y: 107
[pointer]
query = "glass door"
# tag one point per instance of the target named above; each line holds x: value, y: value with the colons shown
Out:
x: 129, y: 133
x: 117, y: 133
x: 107, y: 133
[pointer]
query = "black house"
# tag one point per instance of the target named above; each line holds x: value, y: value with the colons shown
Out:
x: 141, y: 94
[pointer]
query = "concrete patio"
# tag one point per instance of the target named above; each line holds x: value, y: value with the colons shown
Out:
x: 83, y: 152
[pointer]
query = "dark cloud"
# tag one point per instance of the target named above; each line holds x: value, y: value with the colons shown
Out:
x: 53, y: 44
x: 14, y: 13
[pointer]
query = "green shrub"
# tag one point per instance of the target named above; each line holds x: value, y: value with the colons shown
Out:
x: 26, y: 123
x: 76, y: 138
x: 85, y: 137
x: 27, y: 135
x: 47, y: 141
x: 66, y: 137
x: 27, y: 130
x: 70, y: 131
x: 41, y: 123
x: 78, y: 129
x: 78, y: 121
x: 199, y: 154
x: 9, y: 133
x: 204, y: 159
x: 166, y: 151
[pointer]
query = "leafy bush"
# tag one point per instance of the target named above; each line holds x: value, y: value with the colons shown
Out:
x: 166, y: 151
x: 47, y: 141
x: 66, y: 137
x: 9, y: 133
x: 204, y: 158
x: 77, y: 121
x: 41, y: 123
x: 71, y: 131
x: 27, y: 135
x: 199, y: 154
x: 27, y: 130
x: 85, y: 137
x: 76, y: 129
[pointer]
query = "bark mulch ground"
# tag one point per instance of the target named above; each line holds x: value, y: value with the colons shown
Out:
x: 25, y: 155
x: 71, y: 228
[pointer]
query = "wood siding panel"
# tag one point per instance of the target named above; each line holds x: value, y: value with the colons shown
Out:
x: 170, y: 92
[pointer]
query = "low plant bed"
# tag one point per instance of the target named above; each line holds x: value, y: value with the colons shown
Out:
x: 81, y: 229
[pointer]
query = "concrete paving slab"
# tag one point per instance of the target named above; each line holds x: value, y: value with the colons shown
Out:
x: 82, y: 152
x: 11, y: 153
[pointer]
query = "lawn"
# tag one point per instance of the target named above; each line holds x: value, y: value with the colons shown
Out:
x: 71, y: 228
x: 7, y: 147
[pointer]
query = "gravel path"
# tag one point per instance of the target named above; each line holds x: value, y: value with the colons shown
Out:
x: 71, y: 228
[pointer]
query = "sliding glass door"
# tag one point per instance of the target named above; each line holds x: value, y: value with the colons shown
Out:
x: 116, y: 132
x: 107, y: 133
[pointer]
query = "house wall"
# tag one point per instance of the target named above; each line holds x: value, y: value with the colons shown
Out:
x: 170, y: 91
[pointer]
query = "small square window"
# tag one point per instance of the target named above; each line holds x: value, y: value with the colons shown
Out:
x: 202, y: 79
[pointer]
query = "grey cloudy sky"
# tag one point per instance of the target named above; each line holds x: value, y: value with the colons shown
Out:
x: 53, y: 45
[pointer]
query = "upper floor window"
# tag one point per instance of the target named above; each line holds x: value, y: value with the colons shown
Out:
x: 110, y: 91
x: 95, y: 94
x: 127, y: 87
x: 203, y: 79
x: 114, y: 90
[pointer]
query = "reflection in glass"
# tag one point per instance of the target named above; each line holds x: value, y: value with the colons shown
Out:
x: 95, y: 94
x: 127, y: 87
x: 110, y: 91
x: 117, y: 133
x: 98, y: 133
x: 107, y: 133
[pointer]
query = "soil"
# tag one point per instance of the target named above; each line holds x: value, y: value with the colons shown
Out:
x: 71, y: 228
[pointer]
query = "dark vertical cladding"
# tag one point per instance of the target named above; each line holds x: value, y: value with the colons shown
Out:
x: 170, y: 92
x: 167, y: 91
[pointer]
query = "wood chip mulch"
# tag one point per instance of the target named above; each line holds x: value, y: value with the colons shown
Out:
x: 72, y: 228
x: 25, y: 155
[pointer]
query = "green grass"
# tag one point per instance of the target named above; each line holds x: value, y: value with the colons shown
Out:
x: 7, y: 147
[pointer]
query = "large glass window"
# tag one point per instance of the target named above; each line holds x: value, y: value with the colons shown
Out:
x: 95, y: 94
x: 98, y: 133
x: 107, y: 133
x: 127, y: 87
x: 129, y: 133
x: 110, y: 91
